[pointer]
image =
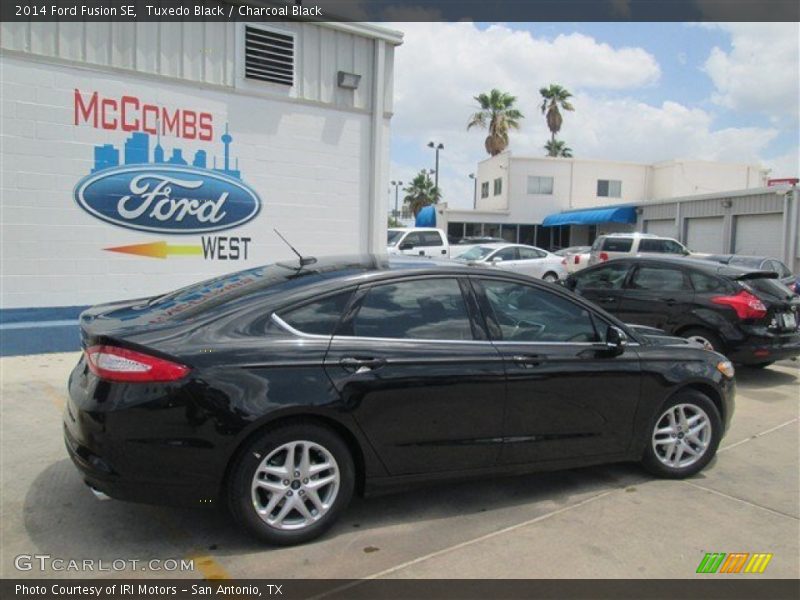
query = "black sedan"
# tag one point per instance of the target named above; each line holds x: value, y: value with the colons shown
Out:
x: 746, y: 314
x: 282, y: 390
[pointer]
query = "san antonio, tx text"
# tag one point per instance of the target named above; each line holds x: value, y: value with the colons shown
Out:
x: 144, y: 589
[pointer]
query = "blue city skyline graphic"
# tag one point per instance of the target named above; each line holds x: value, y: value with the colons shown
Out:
x: 136, y: 151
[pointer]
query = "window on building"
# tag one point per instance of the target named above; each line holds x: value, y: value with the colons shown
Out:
x: 485, y: 189
x: 609, y: 188
x: 498, y: 186
x: 540, y: 185
x: 455, y: 231
x: 472, y: 229
x: 527, y: 234
x: 268, y: 55
x: 421, y: 309
x: 509, y: 233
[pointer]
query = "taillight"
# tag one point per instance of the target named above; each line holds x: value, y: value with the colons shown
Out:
x: 119, y: 364
x: 603, y: 256
x: 577, y: 259
x: 746, y: 305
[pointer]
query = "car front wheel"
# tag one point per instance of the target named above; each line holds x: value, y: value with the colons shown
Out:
x: 684, y: 436
x: 292, y: 483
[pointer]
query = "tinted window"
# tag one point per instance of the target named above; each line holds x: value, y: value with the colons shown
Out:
x: 318, y: 317
x: 421, y: 309
x: 617, y: 244
x: 658, y: 278
x: 415, y: 239
x: 506, y: 254
x: 431, y: 238
x: 530, y: 253
x: 661, y: 246
x: 392, y: 237
x: 610, y: 277
x: 706, y: 283
x: 528, y: 314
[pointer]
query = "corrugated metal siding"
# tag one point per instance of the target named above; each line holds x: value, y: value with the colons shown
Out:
x: 658, y: 211
x: 206, y: 52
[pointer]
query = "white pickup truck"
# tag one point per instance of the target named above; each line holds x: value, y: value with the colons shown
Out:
x: 418, y: 241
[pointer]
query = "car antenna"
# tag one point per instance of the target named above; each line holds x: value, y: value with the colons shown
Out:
x: 304, y: 260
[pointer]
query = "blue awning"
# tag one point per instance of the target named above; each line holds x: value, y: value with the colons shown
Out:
x: 426, y: 217
x: 592, y: 216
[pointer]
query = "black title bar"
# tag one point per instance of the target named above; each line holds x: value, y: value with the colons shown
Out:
x: 399, y: 10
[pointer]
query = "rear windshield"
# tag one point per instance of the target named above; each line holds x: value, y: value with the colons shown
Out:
x: 773, y: 287
x: 617, y: 244
x: 746, y: 261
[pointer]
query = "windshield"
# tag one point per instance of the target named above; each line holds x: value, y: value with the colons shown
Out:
x: 392, y: 237
x: 476, y: 253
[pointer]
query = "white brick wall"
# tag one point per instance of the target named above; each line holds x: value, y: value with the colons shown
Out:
x: 310, y: 165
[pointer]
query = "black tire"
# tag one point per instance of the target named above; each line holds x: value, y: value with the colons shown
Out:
x: 697, y: 399
x: 763, y: 365
x: 242, y: 503
x: 707, y: 335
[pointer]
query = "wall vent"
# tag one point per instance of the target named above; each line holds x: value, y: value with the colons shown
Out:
x: 269, y: 56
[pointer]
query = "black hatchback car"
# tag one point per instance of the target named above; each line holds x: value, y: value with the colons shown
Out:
x: 281, y: 390
x: 746, y: 314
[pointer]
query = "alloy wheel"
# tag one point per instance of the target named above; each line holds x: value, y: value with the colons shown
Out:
x: 295, y: 485
x: 682, y: 435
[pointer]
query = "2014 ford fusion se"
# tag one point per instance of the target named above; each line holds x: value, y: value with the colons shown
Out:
x: 281, y: 391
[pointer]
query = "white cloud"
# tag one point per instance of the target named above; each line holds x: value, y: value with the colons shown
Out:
x: 760, y: 72
x: 441, y: 66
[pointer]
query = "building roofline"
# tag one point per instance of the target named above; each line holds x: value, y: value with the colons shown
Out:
x: 661, y: 163
x: 778, y: 190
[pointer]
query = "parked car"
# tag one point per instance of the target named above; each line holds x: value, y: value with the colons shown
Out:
x: 526, y: 260
x: 620, y: 245
x: 745, y: 314
x: 282, y: 390
x: 762, y: 263
x: 417, y: 241
x: 467, y: 243
x: 574, y: 258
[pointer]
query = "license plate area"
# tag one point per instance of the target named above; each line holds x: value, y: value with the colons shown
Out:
x: 788, y: 320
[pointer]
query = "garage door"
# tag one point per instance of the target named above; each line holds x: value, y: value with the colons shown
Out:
x: 662, y: 227
x: 759, y: 234
x: 704, y: 235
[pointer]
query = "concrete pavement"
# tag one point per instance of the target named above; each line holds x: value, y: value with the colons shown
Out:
x: 610, y: 521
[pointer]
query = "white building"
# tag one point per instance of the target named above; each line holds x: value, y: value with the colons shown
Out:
x: 514, y: 195
x: 140, y: 157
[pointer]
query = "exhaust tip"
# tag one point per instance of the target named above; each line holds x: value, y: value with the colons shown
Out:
x: 98, y: 494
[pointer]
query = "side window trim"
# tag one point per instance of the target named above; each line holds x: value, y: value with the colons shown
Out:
x: 280, y: 322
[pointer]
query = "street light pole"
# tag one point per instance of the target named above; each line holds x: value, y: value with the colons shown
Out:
x: 474, y: 190
x: 396, y: 185
x: 436, y: 148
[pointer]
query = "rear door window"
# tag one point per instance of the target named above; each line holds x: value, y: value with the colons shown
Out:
x: 617, y: 244
x: 422, y: 309
x: 530, y: 254
x: 703, y: 283
x: 659, y: 279
x: 319, y: 317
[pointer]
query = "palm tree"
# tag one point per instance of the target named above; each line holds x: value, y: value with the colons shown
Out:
x: 498, y: 115
x: 558, y: 148
x: 553, y: 98
x: 421, y: 192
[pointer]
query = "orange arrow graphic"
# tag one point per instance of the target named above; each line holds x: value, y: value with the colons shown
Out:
x: 157, y: 250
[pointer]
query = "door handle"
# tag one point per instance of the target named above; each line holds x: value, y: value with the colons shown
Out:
x: 607, y: 299
x: 526, y: 361
x: 361, y: 365
x: 670, y: 301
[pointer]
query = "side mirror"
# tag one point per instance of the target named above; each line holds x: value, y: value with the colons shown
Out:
x: 405, y: 246
x: 497, y: 260
x: 570, y: 283
x: 616, y: 340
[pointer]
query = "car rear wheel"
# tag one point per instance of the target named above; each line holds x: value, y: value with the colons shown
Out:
x: 292, y: 483
x: 708, y: 339
x: 684, y: 436
x: 551, y: 277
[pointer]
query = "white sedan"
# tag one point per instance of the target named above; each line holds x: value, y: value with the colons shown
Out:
x: 526, y: 260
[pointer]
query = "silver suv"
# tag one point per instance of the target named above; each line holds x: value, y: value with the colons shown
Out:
x: 619, y: 245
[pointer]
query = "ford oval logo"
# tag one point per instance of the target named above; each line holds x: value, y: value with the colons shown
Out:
x: 167, y: 199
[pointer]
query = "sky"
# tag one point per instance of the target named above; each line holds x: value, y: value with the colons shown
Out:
x: 643, y: 92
